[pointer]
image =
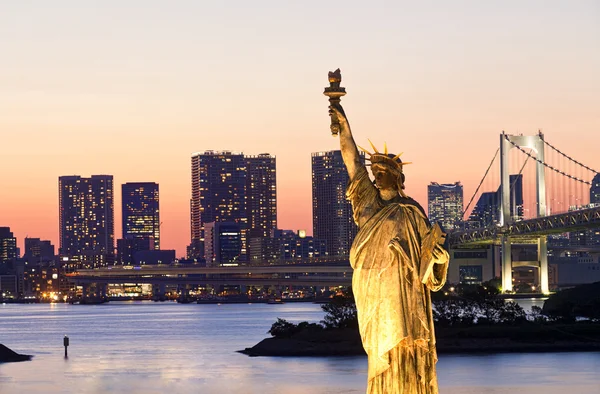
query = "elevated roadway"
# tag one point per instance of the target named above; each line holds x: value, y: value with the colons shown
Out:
x: 298, y: 275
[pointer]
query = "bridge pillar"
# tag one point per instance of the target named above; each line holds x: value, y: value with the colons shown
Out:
x: 506, y: 264
x: 84, y: 290
x: 543, y: 258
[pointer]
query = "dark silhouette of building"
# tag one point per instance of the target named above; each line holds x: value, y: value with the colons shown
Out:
x: 486, y: 212
x: 140, y: 207
x: 230, y: 187
x: 595, y: 190
x: 332, y: 212
x: 153, y: 257
x: 35, y: 248
x: 487, y: 209
x: 445, y: 204
x: 86, y: 215
x: 128, y: 247
x: 8, y: 245
x: 588, y: 237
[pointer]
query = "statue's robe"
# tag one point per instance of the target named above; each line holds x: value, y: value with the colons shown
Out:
x: 391, y: 285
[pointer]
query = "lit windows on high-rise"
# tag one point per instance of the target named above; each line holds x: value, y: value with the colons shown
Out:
x: 86, y: 217
x: 445, y: 204
x: 231, y: 187
x: 261, y: 187
x: 332, y: 212
x: 8, y: 245
x: 140, y: 208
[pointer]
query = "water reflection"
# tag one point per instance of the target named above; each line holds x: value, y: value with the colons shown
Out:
x: 167, y: 347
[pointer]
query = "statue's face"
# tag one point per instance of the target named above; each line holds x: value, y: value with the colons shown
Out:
x: 384, y: 179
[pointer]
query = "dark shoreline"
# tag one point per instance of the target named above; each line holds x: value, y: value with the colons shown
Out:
x: 528, y: 338
x: 7, y: 355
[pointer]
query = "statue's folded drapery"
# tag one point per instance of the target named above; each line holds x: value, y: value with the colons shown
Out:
x: 392, y: 296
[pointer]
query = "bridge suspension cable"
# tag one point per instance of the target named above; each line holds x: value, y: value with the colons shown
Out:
x: 548, y: 165
x: 480, y: 183
x: 569, y: 157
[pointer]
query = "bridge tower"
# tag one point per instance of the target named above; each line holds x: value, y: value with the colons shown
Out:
x: 536, y: 143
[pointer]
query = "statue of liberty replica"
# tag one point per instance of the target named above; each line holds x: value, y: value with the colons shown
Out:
x: 398, y: 258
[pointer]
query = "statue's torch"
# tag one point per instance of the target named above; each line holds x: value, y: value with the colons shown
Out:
x: 335, y: 93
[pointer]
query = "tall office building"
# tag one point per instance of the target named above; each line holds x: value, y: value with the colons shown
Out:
x: 86, y: 216
x: 140, y: 207
x: 261, y: 187
x: 445, y: 204
x: 231, y: 187
x: 8, y: 245
x: 332, y: 212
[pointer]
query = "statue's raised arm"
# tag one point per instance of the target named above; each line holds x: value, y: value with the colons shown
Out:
x: 347, y: 145
x: 340, y: 125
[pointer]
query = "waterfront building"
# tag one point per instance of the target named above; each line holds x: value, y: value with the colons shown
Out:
x: 140, y: 208
x: 263, y: 251
x: 233, y: 188
x: 331, y: 211
x: 8, y: 245
x: 472, y: 266
x: 128, y: 247
x: 224, y: 244
x: 153, y: 257
x: 46, y: 280
x: 86, y: 216
x: 445, y: 204
x: 297, y: 246
x: 286, y: 246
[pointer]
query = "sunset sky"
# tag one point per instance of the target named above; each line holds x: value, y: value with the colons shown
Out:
x: 133, y: 88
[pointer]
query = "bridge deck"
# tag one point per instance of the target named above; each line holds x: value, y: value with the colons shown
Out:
x: 527, y: 231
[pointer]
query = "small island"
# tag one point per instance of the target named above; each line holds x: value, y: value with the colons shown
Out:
x: 475, y: 320
x: 7, y: 355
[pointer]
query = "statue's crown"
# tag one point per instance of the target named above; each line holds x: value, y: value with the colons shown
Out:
x: 385, y: 158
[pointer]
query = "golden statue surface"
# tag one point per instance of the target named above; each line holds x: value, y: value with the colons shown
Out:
x: 398, y: 258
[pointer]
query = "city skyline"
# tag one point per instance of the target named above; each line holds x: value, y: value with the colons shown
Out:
x: 439, y: 83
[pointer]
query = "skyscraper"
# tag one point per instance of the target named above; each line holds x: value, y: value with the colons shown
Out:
x: 261, y: 186
x: 140, y: 207
x: 445, y: 204
x: 332, y: 212
x: 231, y: 187
x: 86, y: 216
x: 8, y: 245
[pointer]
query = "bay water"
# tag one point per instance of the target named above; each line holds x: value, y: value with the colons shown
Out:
x: 148, y: 347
